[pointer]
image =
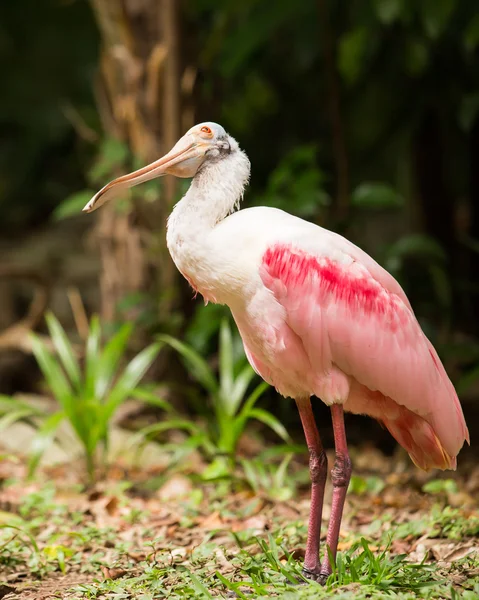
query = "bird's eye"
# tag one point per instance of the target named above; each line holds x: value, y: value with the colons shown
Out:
x: 206, y: 129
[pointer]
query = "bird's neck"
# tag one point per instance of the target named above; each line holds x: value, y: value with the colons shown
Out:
x: 214, y: 193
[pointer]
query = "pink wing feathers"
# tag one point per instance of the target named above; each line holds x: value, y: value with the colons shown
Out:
x: 353, y: 316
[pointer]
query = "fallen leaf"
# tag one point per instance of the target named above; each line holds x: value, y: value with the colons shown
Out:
x: 137, y: 556
x: 6, y: 589
x: 419, y: 554
x: 112, y: 573
x: 460, y: 552
x: 225, y: 564
x: 111, y: 506
x: 176, y: 487
x: 212, y: 521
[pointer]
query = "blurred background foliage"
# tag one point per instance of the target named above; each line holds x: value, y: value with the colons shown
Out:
x: 360, y: 116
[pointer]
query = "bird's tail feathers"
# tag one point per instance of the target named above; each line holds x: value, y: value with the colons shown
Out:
x: 417, y: 437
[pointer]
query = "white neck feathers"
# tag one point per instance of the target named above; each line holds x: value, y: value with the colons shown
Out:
x: 214, y: 193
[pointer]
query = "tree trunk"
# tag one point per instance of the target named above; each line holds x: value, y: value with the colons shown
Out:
x: 138, y: 97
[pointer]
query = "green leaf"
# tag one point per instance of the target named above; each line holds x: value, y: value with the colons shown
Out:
x: 217, y: 469
x: 199, y: 368
x: 130, y: 378
x: 417, y: 245
x: 147, y: 432
x: 23, y: 531
x: 226, y: 366
x: 372, y: 195
x: 53, y: 374
x: 416, y: 56
x: 471, y: 35
x: 64, y: 350
x: 112, y: 154
x: 234, y: 587
x: 467, y: 380
x: 435, y: 15
x: 72, y: 205
x: 440, y: 486
x: 92, y: 356
x: 43, y: 439
x: 15, y: 415
x: 353, y: 50
x: 240, y: 385
x: 149, y: 397
x: 388, y: 11
x: 271, y: 421
x: 109, y: 359
x: 253, y: 398
x: 468, y: 111
x: 200, y: 589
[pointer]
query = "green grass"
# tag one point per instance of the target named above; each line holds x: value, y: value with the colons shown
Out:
x: 217, y: 541
x: 88, y: 392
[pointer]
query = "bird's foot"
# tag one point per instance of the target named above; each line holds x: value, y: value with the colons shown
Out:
x: 320, y: 576
x: 312, y: 574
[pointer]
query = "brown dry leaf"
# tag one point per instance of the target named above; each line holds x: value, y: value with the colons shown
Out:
x: 137, y: 556
x: 212, y: 521
x: 364, y: 518
x: 6, y: 589
x: 419, y: 554
x: 111, y: 506
x: 259, y: 523
x: 461, y: 552
x: 450, y: 553
x: 400, y: 547
x: 166, y: 520
x: 225, y: 564
x: 176, y: 487
x: 461, y: 499
x: 371, y: 459
x: 287, y: 510
x: 295, y: 553
x: 112, y: 573
x: 94, y: 495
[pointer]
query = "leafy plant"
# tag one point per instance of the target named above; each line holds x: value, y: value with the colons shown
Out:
x: 269, y: 478
x: 362, y: 565
x: 88, y: 396
x: 230, y: 405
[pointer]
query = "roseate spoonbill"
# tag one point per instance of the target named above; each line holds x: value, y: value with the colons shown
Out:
x: 317, y: 315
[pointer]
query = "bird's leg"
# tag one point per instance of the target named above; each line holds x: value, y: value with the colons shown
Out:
x: 340, y: 476
x: 318, y: 470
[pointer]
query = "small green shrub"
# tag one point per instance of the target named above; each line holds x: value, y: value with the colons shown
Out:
x: 230, y: 408
x: 88, y: 395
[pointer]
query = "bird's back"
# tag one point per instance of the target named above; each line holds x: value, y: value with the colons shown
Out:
x: 329, y: 299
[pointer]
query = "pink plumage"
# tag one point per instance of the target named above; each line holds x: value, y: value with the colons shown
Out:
x: 317, y: 315
x: 367, y: 350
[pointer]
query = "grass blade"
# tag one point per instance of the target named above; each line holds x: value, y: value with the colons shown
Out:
x: 131, y: 376
x: 240, y: 385
x: 271, y: 421
x: 230, y: 585
x: 64, y: 350
x: 226, y: 365
x: 54, y: 376
x: 197, y: 365
x: 16, y: 415
x: 199, y: 587
x: 151, y: 398
x: 92, y: 352
x: 255, y: 395
x: 109, y: 359
x: 43, y: 439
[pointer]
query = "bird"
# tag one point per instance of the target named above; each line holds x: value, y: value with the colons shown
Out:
x: 318, y: 317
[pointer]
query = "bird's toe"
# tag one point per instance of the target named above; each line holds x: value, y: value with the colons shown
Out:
x: 311, y: 575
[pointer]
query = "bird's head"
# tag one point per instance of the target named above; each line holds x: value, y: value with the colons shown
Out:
x: 203, y: 143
